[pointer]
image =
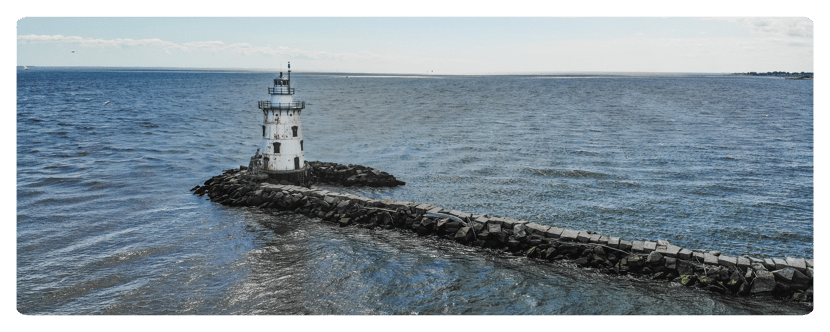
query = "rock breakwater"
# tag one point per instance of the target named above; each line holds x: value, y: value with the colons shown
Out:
x: 788, y: 278
x: 350, y: 175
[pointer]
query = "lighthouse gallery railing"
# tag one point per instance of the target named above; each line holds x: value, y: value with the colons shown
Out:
x: 281, y: 91
x: 281, y: 106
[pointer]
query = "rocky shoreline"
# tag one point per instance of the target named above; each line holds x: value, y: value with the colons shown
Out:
x: 786, y: 278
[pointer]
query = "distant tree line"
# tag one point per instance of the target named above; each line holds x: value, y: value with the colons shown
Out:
x: 778, y: 74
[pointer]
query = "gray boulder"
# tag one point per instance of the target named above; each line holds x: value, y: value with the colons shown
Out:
x: 464, y: 235
x: 764, y: 282
x: 792, y: 277
x: 655, y: 258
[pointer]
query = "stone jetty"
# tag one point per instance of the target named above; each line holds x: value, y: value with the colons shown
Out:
x: 788, y: 278
x: 350, y: 175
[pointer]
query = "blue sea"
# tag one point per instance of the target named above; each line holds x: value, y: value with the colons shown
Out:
x: 106, y: 223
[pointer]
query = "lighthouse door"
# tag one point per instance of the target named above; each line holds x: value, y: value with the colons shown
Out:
x: 296, y: 162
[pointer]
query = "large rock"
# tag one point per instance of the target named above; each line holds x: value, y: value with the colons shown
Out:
x: 583, y: 236
x: 757, y: 266
x: 614, y: 242
x: 385, y: 219
x: 724, y: 260
x: 322, y: 204
x: 534, y: 228
x: 779, y: 263
x: 569, y: 234
x: 464, y: 235
x: 769, y: 264
x: 519, y: 232
x: 441, y: 225
x: 568, y: 248
x: 477, y: 227
x: 483, y: 233
x: 744, y: 262
x: 533, y: 252
x: 687, y: 279
x: 791, y: 275
x: 669, y: 250
x: 797, y: 263
x: 345, y: 222
x: 554, y: 232
x: 710, y: 258
x: 671, y: 263
x: 649, y: 246
x: 549, y: 253
x: 637, y: 246
x: 655, y: 258
x: 501, y: 237
x: 493, y: 228
x: 633, y: 261
x: 255, y: 200
x: 764, y: 282
x: 426, y: 226
x: 343, y: 205
x: 688, y: 267
x: 450, y: 226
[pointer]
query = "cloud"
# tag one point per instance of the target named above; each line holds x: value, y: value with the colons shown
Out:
x: 204, y: 46
x: 784, y: 29
x: 93, y: 42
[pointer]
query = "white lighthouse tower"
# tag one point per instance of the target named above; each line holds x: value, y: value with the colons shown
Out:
x: 282, y: 134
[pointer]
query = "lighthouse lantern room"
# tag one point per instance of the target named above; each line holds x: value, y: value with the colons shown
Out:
x: 280, y: 155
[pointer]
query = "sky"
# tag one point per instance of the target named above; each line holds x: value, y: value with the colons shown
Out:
x: 437, y: 45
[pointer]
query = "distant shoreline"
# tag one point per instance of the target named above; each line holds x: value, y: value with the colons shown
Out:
x: 782, y: 74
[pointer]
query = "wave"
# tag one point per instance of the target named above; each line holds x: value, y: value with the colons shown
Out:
x: 568, y: 173
x: 125, y: 257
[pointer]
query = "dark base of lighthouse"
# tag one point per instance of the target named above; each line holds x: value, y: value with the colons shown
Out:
x: 297, y: 177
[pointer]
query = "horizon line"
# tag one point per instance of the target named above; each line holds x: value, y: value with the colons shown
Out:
x: 393, y: 73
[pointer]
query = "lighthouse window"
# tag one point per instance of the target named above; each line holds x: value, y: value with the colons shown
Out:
x: 276, y: 147
x: 263, y: 131
x: 294, y: 130
x: 301, y: 145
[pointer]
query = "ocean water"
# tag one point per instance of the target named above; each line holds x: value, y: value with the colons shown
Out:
x: 106, y: 223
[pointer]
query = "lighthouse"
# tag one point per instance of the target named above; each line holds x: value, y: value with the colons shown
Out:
x: 281, y: 157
